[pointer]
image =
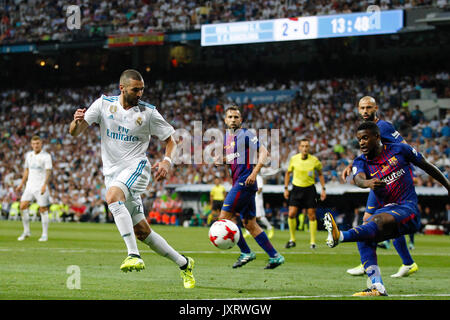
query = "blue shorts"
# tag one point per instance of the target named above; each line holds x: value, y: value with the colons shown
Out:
x: 372, y: 204
x: 406, y: 215
x: 241, y: 199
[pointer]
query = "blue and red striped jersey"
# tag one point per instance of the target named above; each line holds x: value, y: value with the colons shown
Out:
x: 241, y: 148
x: 393, y: 167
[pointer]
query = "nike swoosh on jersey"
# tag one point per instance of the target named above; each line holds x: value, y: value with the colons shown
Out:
x: 370, y: 207
x: 372, y: 174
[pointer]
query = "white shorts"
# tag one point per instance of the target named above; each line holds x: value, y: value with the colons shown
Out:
x: 31, y: 194
x: 133, y: 181
x: 259, y: 203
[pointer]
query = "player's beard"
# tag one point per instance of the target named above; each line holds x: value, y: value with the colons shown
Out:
x: 370, y: 118
x: 130, y: 100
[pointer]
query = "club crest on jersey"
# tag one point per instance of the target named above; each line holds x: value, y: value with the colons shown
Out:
x: 139, y: 121
x: 393, y: 161
x: 113, y: 108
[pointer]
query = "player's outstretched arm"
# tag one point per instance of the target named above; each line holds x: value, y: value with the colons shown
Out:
x: 434, y: 172
x: 78, y: 124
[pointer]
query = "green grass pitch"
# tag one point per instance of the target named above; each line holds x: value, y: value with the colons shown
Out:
x: 31, y: 270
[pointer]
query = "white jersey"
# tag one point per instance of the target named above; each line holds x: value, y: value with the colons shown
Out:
x: 37, y: 164
x: 125, y: 134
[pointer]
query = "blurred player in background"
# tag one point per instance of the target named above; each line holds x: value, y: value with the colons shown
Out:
x: 216, y: 198
x: 126, y: 125
x: 303, y: 194
x: 367, y: 109
x: 385, y: 169
x: 240, y: 146
x: 260, y: 211
x: 36, y: 176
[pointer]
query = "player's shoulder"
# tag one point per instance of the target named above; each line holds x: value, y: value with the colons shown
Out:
x: 360, y: 158
x: 145, y: 106
x: 384, y: 124
x: 296, y: 156
x: 396, y: 146
x: 46, y: 154
x: 109, y: 98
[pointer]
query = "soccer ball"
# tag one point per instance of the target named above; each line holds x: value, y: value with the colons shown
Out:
x: 224, y: 234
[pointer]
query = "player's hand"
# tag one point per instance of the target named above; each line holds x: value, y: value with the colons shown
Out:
x: 218, y: 160
x: 251, y: 179
x: 19, y: 188
x: 44, y: 187
x: 376, y: 184
x: 79, y: 114
x: 286, y: 194
x: 346, y: 172
x: 162, y: 168
x: 323, y: 195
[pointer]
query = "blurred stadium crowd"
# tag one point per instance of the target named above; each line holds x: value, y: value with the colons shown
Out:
x: 323, y: 111
x: 33, y: 20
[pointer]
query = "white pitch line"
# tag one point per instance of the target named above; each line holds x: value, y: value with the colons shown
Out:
x: 337, y: 296
x: 87, y: 250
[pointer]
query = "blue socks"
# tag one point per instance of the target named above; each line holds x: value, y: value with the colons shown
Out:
x: 403, y: 252
x: 360, y: 233
x: 242, y: 244
x: 265, y: 243
x: 367, y: 251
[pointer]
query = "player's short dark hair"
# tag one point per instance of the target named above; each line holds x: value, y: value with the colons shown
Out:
x: 233, y: 107
x: 130, y: 74
x: 370, y: 126
x: 35, y: 137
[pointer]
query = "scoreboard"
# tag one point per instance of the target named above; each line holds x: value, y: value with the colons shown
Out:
x: 302, y: 28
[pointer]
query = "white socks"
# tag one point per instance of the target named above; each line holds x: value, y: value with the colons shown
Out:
x: 124, y: 224
x: 44, y: 220
x: 266, y: 223
x: 26, y: 221
x: 161, y: 247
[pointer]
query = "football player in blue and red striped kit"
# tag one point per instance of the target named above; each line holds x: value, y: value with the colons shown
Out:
x: 241, y: 146
x: 385, y: 169
x: 367, y: 109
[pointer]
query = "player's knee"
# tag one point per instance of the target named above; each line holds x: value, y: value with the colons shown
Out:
x: 311, y: 216
x: 114, y: 194
x: 141, y: 231
x: 23, y: 206
x: 385, y: 225
x: 251, y: 225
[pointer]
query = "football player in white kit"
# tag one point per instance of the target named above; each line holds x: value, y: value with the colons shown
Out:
x: 260, y: 212
x: 36, y: 175
x: 126, y: 125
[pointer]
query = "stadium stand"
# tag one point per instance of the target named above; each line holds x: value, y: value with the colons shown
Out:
x: 26, y: 21
x: 322, y: 110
